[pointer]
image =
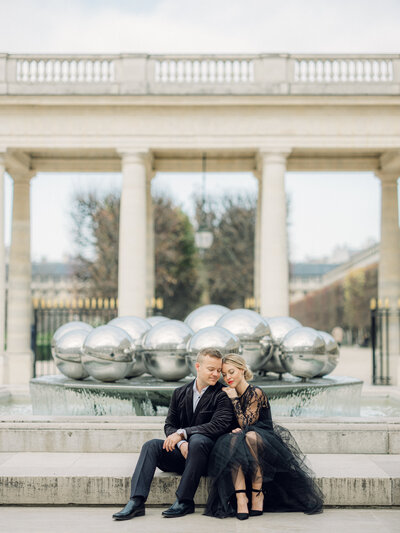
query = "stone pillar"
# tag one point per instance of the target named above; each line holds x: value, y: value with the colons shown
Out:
x: 3, y: 358
x: 389, y: 265
x: 150, y: 269
x: 274, y: 267
x: 132, y: 236
x: 257, y: 231
x: 19, y: 304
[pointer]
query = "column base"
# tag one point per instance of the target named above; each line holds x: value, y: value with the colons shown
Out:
x: 17, y: 368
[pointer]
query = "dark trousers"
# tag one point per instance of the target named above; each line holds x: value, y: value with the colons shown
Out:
x: 152, y: 456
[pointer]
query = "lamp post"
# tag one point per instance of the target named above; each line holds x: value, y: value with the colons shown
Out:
x: 203, y: 238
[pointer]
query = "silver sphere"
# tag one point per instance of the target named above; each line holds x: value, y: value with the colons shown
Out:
x: 67, y: 353
x: 136, y: 328
x: 153, y: 320
x: 279, y: 327
x: 332, y: 350
x: 68, y: 326
x: 303, y: 352
x: 107, y: 353
x: 250, y: 328
x: 165, y: 349
x: 211, y: 337
x: 205, y: 316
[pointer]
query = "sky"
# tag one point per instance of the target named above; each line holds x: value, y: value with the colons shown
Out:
x: 327, y: 209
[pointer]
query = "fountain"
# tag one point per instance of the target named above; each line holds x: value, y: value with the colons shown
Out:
x: 166, y: 350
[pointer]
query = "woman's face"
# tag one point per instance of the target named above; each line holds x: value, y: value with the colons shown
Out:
x: 232, y: 375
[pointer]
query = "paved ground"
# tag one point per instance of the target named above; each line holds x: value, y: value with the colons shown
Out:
x: 98, y: 520
x: 355, y: 362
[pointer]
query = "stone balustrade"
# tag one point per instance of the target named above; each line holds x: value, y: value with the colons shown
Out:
x: 199, y: 74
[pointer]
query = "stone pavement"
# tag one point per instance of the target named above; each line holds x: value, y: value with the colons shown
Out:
x: 98, y: 520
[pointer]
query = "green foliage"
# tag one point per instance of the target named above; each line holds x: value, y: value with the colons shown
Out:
x: 230, y: 260
x: 96, y: 232
x: 344, y: 303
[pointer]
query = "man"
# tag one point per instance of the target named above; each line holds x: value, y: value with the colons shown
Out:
x: 198, y: 414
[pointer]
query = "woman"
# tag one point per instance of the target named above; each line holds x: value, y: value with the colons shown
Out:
x: 258, y: 463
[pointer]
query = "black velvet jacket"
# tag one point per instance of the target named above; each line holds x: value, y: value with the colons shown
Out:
x: 213, y: 415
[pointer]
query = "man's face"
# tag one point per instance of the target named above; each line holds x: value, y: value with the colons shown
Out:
x: 209, y: 370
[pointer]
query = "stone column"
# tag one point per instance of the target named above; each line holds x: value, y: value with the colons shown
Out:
x: 257, y: 231
x: 274, y: 267
x: 150, y: 260
x: 19, y: 304
x: 3, y: 358
x: 132, y: 236
x: 389, y: 265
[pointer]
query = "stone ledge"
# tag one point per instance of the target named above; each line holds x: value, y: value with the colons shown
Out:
x: 91, y: 435
x: 79, y: 479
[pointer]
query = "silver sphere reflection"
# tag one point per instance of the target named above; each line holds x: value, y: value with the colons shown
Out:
x: 107, y: 353
x: 303, y: 352
x: 211, y: 337
x: 67, y: 353
x: 250, y: 328
x: 68, y: 326
x: 279, y: 327
x: 153, y: 320
x: 165, y: 349
x: 136, y: 328
x: 332, y: 351
x: 205, y: 316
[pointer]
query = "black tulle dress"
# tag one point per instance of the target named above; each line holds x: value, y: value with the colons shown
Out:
x: 267, y: 453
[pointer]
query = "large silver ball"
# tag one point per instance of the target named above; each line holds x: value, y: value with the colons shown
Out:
x: 153, y: 320
x: 332, y: 351
x: 205, y: 316
x: 279, y: 327
x: 303, y: 352
x: 68, y: 326
x: 67, y: 353
x: 165, y: 349
x: 211, y: 337
x: 136, y: 328
x: 107, y: 353
x: 250, y: 328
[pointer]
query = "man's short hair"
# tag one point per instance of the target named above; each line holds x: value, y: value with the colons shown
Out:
x: 211, y: 352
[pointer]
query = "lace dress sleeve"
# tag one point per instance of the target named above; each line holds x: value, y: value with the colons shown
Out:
x: 247, y: 407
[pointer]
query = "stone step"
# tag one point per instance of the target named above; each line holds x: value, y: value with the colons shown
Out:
x: 127, y: 434
x: 104, y: 478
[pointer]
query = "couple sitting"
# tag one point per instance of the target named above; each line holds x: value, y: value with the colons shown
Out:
x: 226, y: 433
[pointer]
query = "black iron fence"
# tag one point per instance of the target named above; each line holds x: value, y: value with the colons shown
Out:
x: 50, y: 315
x: 385, y: 335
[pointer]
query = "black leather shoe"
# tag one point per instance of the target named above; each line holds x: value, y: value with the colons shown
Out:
x: 178, y: 509
x: 134, y: 507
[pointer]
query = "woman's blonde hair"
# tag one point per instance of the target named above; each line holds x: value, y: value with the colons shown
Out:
x: 238, y: 362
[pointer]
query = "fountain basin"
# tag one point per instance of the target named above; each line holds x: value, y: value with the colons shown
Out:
x: 148, y: 396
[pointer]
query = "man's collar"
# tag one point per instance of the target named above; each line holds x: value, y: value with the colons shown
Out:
x: 195, y: 389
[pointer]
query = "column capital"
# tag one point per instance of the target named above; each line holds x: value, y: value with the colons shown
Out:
x: 386, y: 177
x: 274, y: 155
x: 21, y: 176
x: 134, y: 156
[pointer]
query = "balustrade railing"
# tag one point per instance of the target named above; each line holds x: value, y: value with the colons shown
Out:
x: 62, y: 70
x: 205, y: 74
x: 196, y: 70
x: 343, y: 70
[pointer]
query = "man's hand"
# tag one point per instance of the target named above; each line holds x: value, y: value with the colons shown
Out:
x: 184, y: 448
x: 231, y: 392
x: 171, y: 441
x: 236, y: 430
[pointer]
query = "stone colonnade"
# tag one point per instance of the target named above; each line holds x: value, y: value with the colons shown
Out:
x: 136, y: 250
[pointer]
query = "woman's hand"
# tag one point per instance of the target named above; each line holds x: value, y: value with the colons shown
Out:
x: 231, y: 392
x: 236, y: 430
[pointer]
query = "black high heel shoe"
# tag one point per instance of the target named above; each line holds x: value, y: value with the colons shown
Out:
x: 255, y: 512
x: 241, y: 516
